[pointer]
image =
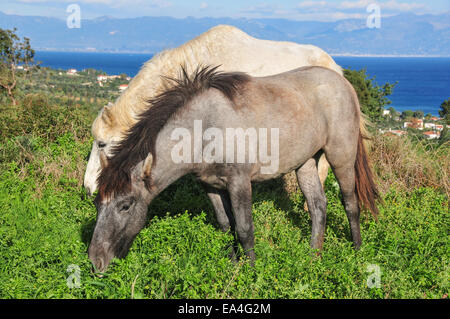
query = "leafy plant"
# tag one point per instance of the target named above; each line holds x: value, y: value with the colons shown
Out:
x: 12, y: 53
x: 372, y: 98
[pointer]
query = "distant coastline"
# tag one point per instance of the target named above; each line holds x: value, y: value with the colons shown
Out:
x: 386, y: 55
x: 54, y: 50
x: 423, y: 81
x: 351, y: 55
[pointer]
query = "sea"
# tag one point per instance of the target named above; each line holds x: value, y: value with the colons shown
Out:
x: 423, y: 83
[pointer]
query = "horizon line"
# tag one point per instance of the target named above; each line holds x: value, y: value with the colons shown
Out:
x: 355, y: 55
x: 226, y: 17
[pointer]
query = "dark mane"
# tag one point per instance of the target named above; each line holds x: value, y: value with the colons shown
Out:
x: 140, y: 139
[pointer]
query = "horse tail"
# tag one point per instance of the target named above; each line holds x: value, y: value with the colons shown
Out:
x: 366, y: 189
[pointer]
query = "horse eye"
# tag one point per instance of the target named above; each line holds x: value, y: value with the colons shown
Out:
x: 126, y: 206
x: 101, y: 144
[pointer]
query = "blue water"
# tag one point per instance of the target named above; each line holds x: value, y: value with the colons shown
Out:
x: 423, y: 83
x: 111, y: 63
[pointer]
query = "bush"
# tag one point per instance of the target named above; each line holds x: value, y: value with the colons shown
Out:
x: 409, y: 164
x: 36, y: 115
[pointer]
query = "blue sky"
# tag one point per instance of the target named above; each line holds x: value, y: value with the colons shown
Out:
x: 320, y: 10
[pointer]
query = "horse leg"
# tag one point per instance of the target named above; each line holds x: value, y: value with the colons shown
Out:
x: 346, y: 180
x: 240, y: 191
x: 309, y: 182
x: 322, y: 167
x: 341, y: 153
x: 222, y: 208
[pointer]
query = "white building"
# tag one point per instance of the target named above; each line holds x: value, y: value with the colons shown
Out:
x: 416, y: 124
x: 431, y: 135
x: 102, y: 78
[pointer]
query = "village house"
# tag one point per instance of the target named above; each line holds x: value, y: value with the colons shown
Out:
x: 123, y: 87
x: 415, y: 123
x: 394, y: 132
x: 431, y: 135
x: 101, y: 78
x: 72, y: 71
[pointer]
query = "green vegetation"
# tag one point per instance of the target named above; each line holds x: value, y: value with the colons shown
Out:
x: 181, y: 254
x: 373, y: 98
x: 46, y: 220
x: 64, y: 89
x: 13, y: 52
x: 445, y: 111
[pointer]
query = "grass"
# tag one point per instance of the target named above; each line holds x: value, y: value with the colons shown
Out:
x: 46, y: 222
x: 410, y: 163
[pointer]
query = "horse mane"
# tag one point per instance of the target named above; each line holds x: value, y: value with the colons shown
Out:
x: 132, y: 101
x: 140, y: 139
x: 124, y: 112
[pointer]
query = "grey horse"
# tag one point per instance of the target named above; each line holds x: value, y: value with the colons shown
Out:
x: 216, y: 126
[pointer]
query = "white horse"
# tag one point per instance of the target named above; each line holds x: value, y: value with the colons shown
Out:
x: 223, y: 45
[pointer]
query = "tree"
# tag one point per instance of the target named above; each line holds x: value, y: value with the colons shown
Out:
x: 392, y: 112
x: 444, y: 112
x: 445, y: 136
x: 373, y: 98
x: 418, y: 114
x: 407, y: 114
x: 13, y: 52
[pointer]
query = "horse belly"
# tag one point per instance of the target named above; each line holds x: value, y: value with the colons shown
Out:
x: 297, y: 142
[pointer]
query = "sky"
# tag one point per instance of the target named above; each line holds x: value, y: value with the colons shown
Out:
x: 320, y: 10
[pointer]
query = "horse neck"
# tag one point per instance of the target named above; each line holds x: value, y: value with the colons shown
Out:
x: 148, y: 83
x: 133, y: 101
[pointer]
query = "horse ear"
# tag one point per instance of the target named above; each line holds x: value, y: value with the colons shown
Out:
x: 103, y: 159
x: 107, y: 115
x: 147, y: 167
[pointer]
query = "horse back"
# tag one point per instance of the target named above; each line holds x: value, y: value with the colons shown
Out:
x: 311, y: 106
x: 309, y: 94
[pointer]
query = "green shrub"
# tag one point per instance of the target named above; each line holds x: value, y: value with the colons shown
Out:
x: 36, y: 115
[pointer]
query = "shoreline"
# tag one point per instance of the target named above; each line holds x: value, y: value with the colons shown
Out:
x: 331, y: 54
x: 386, y: 56
x: 96, y: 60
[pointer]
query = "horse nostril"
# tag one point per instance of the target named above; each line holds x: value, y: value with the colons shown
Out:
x: 88, y: 191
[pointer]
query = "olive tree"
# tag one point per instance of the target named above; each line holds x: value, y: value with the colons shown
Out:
x: 13, y: 52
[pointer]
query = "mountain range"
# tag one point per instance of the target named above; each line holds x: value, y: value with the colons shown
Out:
x: 404, y: 34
